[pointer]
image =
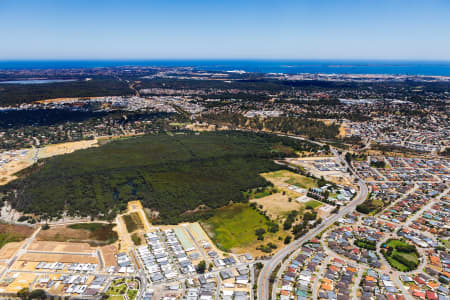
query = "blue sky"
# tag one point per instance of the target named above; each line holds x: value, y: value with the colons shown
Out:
x: 209, y: 29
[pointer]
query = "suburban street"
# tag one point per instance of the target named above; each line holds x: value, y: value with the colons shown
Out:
x: 269, y: 267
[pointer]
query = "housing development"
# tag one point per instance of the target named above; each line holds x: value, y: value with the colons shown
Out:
x: 182, y: 183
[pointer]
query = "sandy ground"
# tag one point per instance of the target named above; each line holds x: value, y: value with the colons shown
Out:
x: 334, y: 176
x: 277, y: 205
x: 60, y: 247
x: 280, y: 182
x: 65, y: 148
x: 63, y: 234
x: 10, y: 249
x: 344, y: 130
x: 16, y: 164
x: 64, y: 258
x: 21, y: 230
x: 109, y: 254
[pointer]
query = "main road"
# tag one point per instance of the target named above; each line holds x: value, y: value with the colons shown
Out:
x: 264, y: 277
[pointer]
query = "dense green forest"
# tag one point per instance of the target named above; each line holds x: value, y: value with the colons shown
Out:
x: 299, y: 126
x: 169, y: 174
x: 15, y: 94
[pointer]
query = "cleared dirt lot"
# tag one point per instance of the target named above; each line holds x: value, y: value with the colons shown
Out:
x: 17, y: 164
x: 63, y: 234
x: 64, y: 258
x: 10, y: 249
x: 277, y: 205
x: 65, y: 148
x: 60, y: 247
x: 25, y: 231
x: 109, y: 254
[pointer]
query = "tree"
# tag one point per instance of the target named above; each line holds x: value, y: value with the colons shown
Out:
x: 201, y: 267
x: 38, y: 294
x: 287, y: 240
x: 23, y: 293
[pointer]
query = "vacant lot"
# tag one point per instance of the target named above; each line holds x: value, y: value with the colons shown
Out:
x: 277, y: 205
x: 284, y: 177
x: 13, y: 233
x: 133, y: 222
x: 93, y: 233
x: 235, y: 225
x: 313, y: 204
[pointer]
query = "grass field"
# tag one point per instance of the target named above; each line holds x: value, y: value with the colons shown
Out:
x: 136, y: 239
x: 92, y: 233
x: 400, y: 259
x: 313, y: 204
x: 7, y: 238
x: 260, y: 192
x: 285, y: 176
x: 133, y: 222
x: 235, y: 225
x: 98, y: 231
x: 13, y: 233
x: 132, y: 294
x: 302, y: 181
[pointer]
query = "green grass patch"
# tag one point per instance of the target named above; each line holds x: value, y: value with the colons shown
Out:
x: 132, y: 294
x: 136, y: 239
x: 119, y: 289
x: 6, y: 238
x: 260, y: 192
x: 115, y: 298
x: 401, y: 255
x: 370, y: 206
x: 99, y: 231
x: 312, y: 204
x: 446, y: 243
x: 302, y: 181
x: 130, y: 223
x: 235, y: 226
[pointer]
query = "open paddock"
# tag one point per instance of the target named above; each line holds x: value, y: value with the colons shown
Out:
x: 63, y: 258
x: 60, y: 247
x: 109, y: 254
x: 10, y: 249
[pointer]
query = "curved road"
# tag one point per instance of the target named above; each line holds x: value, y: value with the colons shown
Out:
x: 263, y: 280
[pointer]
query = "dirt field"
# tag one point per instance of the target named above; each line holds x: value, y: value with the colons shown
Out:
x: 16, y: 164
x: 335, y: 176
x: 16, y: 229
x: 64, y: 258
x: 10, y: 249
x: 277, y: 205
x: 61, y: 247
x: 63, y: 234
x: 65, y: 148
x: 109, y: 254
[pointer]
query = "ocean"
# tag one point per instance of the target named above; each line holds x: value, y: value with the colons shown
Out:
x: 438, y: 68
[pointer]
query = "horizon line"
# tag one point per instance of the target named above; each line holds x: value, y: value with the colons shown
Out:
x: 225, y: 59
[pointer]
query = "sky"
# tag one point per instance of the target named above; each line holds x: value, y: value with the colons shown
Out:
x: 232, y: 29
